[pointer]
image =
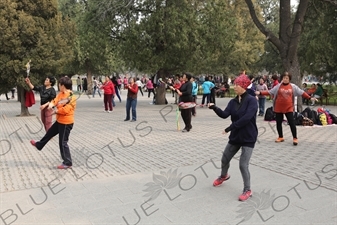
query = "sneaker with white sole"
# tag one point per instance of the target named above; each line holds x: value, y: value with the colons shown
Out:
x: 220, y: 180
x: 245, y: 195
x: 63, y: 167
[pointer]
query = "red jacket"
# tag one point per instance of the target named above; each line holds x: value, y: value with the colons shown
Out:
x: 275, y: 83
x: 177, y: 85
x: 108, y: 88
x: 133, y: 91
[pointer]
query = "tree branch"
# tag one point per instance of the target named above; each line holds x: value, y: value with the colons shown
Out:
x: 269, y: 35
x: 333, y: 2
x: 285, y: 23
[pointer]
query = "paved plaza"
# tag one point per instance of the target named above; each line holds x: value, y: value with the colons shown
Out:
x: 147, y: 172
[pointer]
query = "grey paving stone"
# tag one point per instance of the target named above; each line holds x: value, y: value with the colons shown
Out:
x: 114, y: 160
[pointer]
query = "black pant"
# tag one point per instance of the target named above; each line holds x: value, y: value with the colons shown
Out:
x: 63, y: 130
x: 291, y: 122
x: 212, y: 97
x: 207, y: 97
x: 187, y: 117
x: 141, y: 91
x: 149, y: 92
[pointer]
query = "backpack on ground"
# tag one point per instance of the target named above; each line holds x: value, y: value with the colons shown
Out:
x: 334, y: 118
x: 269, y: 115
x: 323, y: 119
x: 307, y: 122
x: 310, y: 114
x: 328, y: 118
x: 327, y: 114
x: 314, y: 117
x: 306, y: 112
x: 298, y: 118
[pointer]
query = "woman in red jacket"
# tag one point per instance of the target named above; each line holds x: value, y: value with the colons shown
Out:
x: 131, y: 100
x: 109, y: 92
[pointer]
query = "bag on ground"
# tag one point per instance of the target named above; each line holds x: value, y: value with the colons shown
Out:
x: 298, y: 117
x: 307, y: 122
x: 269, y: 115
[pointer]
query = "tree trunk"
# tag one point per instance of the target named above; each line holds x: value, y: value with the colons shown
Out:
x: 89, y: 80
x: 22, y: 97
x: 88, y: 66
x: 161, y: 89
x: 161, y: 95
x: 18, y: 93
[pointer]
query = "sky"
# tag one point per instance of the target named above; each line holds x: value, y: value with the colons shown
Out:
x: 294, y: 2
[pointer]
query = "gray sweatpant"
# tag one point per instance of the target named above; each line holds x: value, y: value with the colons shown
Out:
x: 229, y: 153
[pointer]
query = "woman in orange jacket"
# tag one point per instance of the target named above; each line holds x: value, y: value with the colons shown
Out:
x: 64, y: 107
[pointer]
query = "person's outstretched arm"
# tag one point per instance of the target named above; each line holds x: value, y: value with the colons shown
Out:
x: 221, y: 113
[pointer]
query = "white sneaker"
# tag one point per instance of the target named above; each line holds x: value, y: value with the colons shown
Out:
x: 110, y: 112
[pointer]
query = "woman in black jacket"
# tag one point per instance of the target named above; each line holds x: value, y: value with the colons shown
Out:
x: 47, y: 94
x: 185, y: 95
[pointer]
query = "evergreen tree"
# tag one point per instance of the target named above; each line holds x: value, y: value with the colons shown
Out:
x: 172, y: 36
x: 318, y: 49
x: 36, y: 32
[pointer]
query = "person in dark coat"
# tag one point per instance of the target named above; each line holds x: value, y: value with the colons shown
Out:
x: 85, y: 85
x: 47, y: 94
x: 243, y: 133
x: 185, y: 95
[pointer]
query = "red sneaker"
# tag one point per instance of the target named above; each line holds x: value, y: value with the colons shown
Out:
x: 245, y: 195
x: 32, y: 142
x: 63, y: 167
x: 220, y: 180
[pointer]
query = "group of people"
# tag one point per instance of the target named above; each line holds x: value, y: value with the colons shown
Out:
x: 242, y: 110
x: 82, y: 84
x: 63, y: 105
x: 243, y: 130
x: 112, y: 88
x: 316, y: 90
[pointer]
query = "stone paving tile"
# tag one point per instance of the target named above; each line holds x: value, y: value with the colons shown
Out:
x: 150, y: 144
x: 202, y: 204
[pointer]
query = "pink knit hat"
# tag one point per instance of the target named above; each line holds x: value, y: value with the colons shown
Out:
x: 243, y: 81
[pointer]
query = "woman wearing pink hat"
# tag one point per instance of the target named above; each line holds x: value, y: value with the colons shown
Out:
x: 243, y: 133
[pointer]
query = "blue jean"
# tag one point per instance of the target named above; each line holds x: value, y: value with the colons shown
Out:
x: 131, y: 103
x: 113, y: 101
x: 93, y: 93
x: 262, y: 102
x: 117, y: 94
